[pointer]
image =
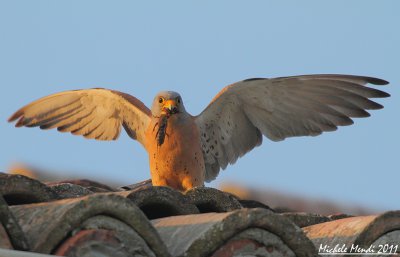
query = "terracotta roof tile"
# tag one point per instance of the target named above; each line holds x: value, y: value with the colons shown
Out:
x: 302, y: 219
x: 363, y: 231
x: 77, y: 216
x: 18, y: 189
x: 247, y: 231
x: 212, y: 200
x: 46, y: 225
x: 68, y: 190
x: 158, y: 202
x: 89, y: 184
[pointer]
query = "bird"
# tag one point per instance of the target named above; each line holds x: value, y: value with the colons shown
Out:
x: 184, y: 150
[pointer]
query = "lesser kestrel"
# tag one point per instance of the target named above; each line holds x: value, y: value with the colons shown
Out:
x: 185, y: 150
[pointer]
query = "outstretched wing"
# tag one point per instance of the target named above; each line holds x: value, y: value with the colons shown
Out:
x: 241, y: 113
x: 94, y: 113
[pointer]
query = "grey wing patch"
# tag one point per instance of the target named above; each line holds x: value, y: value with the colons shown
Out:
x: 235, y: 120
x: 360, y: 80
x: 253, y: 79
x: 226, y: 136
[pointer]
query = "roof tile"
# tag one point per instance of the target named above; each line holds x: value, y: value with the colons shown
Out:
x: 204, y: 234
x: 201, y: 222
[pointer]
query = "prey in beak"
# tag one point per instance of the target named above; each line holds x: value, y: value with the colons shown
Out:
x: 162, y: 129
x: 165, y: 105
x: 170, y: 107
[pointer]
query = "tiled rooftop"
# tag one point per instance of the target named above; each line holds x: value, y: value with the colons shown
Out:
x: 85, y: 218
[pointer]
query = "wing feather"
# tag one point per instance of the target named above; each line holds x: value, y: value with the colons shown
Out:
x: 58, y: 121
x: 93, y: 113
x: 235, y: 120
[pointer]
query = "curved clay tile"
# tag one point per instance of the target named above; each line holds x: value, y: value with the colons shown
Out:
x: 244, y: 232
x: 89, y: 184
x: 11, y: 235
x: 68, y: 190
x: 19, y: 189
x: 5, y: 241
x: 159, y: 202
x: 99, y: 222
x: 361, y: 231
x: 142, y: 184
x: 338, y: 216
x: 254, y: 204
x: 209, y: 199
x: 302, y: 219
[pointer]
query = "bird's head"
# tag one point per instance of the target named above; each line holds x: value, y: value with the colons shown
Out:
x: 167, y: 102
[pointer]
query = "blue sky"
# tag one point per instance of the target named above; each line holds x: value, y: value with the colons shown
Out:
x: 196, y: 48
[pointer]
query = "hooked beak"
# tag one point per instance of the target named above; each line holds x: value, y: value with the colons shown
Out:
x: 170, y: 106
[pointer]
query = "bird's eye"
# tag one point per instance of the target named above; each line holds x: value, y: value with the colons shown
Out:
x: 160, y: 100
x: 178, y: 100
